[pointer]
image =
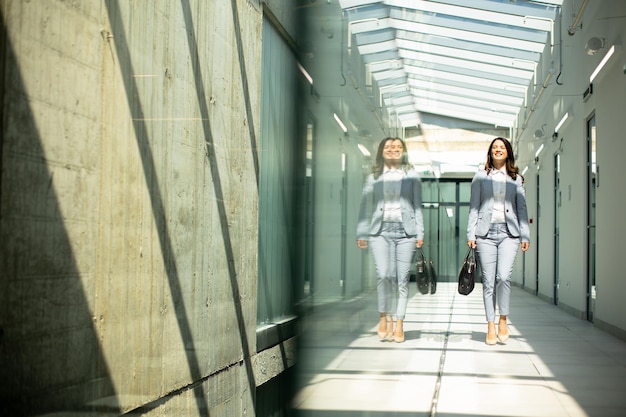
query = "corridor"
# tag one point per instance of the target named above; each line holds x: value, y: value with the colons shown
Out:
x: 553, y: 364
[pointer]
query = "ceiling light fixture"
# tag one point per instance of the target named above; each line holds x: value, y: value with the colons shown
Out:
x: 364, y: 150
x: 305, y: 73
x: 340, y: 123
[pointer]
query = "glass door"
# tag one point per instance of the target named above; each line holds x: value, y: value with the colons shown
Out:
x: 557, y: 208
x: 308, y: 210
x: 446, y: 209
x: 344, y: 219
x: 593, y: 181
x: 537, y: 245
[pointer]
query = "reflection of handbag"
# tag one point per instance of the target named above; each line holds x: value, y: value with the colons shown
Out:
x: 421, y: 272
x: 467, y: 275
x: 433, y: 278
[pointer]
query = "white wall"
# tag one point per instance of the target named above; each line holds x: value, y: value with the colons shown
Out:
x: 608, y: 104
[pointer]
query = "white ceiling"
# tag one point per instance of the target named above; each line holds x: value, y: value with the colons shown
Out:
x: 447, y: 75
x: 463, y: 59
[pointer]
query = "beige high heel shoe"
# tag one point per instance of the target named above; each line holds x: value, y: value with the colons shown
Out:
x: 398, y: 334
x: 382, y: 328
x: 503, y: 336
x: 390, y: 324
x: 491, y: 340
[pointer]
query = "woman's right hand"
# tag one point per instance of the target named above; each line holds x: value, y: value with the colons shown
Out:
x: 362, y: 244
x: 471, y: 244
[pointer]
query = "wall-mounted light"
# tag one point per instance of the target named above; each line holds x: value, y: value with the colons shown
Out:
x: 560, y: 123
x: 602, y: 63
x: 594, y: 45
x: 305, y: 73
x: 340, y: 123
x: 538, y: 151
x: 588, y: 92
x: 363, y: 150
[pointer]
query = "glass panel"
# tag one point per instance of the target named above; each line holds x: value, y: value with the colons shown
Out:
x: 470, y: 103
x: 430, y: 194
x: 407, y: 49
x: 465, y: 34
x: 471, y: 13
x: 446, y: 262
x: 445, y: 221
x: 506, y: 97
x: 465, y: 191
x: 276, y: 190
x: 308, y: 210
x: 462, y: 241
x: 447, y: 191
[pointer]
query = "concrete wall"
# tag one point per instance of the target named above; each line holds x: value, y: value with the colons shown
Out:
x: 128, y: 211
x: 608, y: 105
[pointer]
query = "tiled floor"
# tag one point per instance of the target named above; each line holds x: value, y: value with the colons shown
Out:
x: 553, y: 365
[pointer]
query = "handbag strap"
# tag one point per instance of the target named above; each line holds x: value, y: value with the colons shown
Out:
x: 419, y: 253
x: 470, y: 258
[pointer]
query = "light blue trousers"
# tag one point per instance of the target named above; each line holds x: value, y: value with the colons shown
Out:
x: 393, y: 254
x: 496, y: 255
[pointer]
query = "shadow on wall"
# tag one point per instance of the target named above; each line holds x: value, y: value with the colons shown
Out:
x: 50, y: 358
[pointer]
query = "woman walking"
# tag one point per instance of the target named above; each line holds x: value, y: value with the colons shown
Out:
x: 497, y: 223
x: 391, y: 221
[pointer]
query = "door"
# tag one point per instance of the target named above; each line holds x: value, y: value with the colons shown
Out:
x: 557, y: 208
x: 538, y: 241
x: 344, y: 220
x: 593, y: 181
x: 309, y: 215
x: 446, y: 210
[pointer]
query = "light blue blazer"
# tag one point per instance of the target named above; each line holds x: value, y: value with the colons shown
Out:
x: 481, y: 207
x: 373, y: 202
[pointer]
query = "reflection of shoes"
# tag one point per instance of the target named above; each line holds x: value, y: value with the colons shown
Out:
x: 491, y: 342
x: 398, y: 338
x: 389, y: 334
x: 382, y: 329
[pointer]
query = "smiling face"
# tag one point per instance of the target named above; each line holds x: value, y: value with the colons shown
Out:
x: 499, y: 153
x: 392, y: 152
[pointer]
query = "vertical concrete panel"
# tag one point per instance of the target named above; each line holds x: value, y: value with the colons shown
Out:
x: 129, y: 206
x: 48, y: 203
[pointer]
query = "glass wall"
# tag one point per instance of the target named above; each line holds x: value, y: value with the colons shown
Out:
x: 446, y: 209
x: 279, y: 159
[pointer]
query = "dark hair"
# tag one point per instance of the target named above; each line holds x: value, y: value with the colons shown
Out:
x: 511, y: 168
x: 379, y: 165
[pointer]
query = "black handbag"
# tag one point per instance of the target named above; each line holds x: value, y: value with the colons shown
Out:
x: 422, y: 269
x: 467, y: 275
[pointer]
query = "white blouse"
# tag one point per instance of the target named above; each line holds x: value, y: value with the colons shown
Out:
x: 392, y: 182
x: 499, y: 192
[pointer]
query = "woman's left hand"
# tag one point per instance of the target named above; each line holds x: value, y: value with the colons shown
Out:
x: 419, y: 243
x: 525, y: 246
